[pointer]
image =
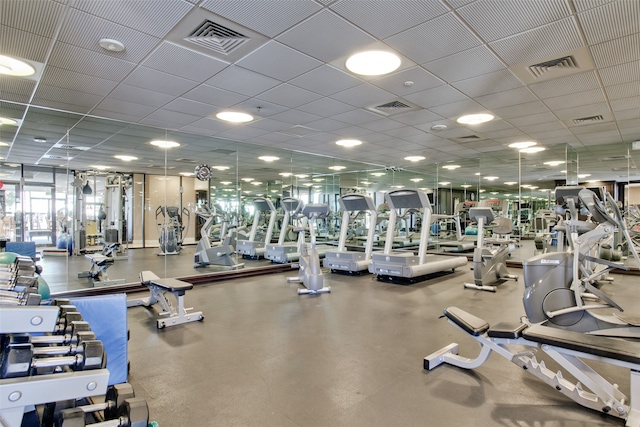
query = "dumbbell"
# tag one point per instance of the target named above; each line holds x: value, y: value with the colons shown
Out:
x: 66, y: 318
x: 134, y: 412
x: 80, y: 331
x: 17, y: 359
x: 114, y: 399
x: 27, y: 297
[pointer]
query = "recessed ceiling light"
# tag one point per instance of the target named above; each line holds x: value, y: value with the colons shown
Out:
x: 554, y: 162
x: 439, y: 128
x: 234, y: 116
x: 220, y: 168
x: 523, y: 144
x: 532, y: 149
x: 415, y: 179
x: 525, y: 185
x: 225, y: 182
x: 100, y: 167
x: 348, y: 142
x: 466, y: 185
x: 444, y: 183
x: 256, y: 183
x: 584, y: 175
x: 4, y: 144
x: 510, y: 183
x: 414, y: 158
x: 533, y: 187
x: 301, y: 175
x: 7, y: 121
x: 15, y: 67
x: 397, y: 186
x: 450, y: 167
x: 165, y: 144
x: 111, y: 45
x: 186, y: 173
x: 482, y: 191
x: 285, y: 174
x: 491, y: 178
x: 308, y: 184
x: 39, y: 139
x: 269, y: 158
x: 373, y: 63
x: 247, y: 179
x: 337, y: 168
x: 474, y: 119
x: 317, y: 179
x: 125, y: 158
x: 378, y: 173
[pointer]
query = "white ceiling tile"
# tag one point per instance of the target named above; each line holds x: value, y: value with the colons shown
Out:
x: 624, y: 90
x: 437, y: 96
x: 365, y: 95
x: 382, y: 125
x: 326, y: 107
x: 496, y: 81
x: 84, y: 61
x: 386, y: 18
x: 242, y: 81
x: 214, y: 96
x: 527, y: 109
x: 455, y: 67
x: 356, y: 117
x: 459, y: 108
x: 576, y: 99
x: 582, y: 111
x: 184, y: 63
x: 329, y: 125
x: 533, y: 46
x: 596, y: 23
x: 71, y: 80
x: 295, y: 117
x: 259, y: 108
x: 158, y: 81
x: 288, y: 96
x: 188, y: 106
x: 132, y: 110
x: 625, y: 104
x: 403, y: 132
x: 154, y: 18
x: 340, y: 40
x: 268, y: 60
x: 506, y: 98
x: 623, y: 115
x: 409, y: 81
x: 617, y: 51
x: 16, y: 90
x: 417, y: 117
x: 269, y: 18
x: 494, y: 20
x: 326, y: 80
x: 556, y: 125
x: 566, y: 85
x: 140, y: 96
x: 434, y: 39
x: 39, y: 16
x: 628, y: 72
x: 71, y: 97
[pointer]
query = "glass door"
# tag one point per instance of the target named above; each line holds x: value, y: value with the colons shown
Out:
x: 38, y: 217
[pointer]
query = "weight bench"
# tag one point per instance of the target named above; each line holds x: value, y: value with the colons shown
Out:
x: 569, y: 349
x: 98, y: 270
x: 158, y: 288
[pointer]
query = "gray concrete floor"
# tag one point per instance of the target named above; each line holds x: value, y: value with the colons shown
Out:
x: 264, y: 356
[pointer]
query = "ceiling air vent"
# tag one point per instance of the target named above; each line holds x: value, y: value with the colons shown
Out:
x: 566, y: 62
x: 299, y: 131
x: 392, y: 108
x: 216, y: 37
x: 590, y: 119
x: 469, y: 138
x: 56, y: 157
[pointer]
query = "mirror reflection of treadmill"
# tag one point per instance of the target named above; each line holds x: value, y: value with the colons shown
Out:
x: 253, y: 248
x: 285, y: 252
x: 349, y: 260
x: 390, y: 265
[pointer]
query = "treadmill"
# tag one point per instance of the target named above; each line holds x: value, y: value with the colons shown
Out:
x: 253, y: 248
x: 278, y: 252
x: 391, y: 265
x: 343, y: 259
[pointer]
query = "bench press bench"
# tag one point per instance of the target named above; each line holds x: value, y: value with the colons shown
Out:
x: 171, y: 314
x: 567, y: 348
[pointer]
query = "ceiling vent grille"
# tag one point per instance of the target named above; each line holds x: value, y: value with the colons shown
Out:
x: 564, y: 63
x: 620, y: 157
x: 590, y: 119
x: 299, y: 131
x: 217, y: 37
x: 56, y: 157
x: 70, y: 147
x: 394, y: 107
x: 469, y: 138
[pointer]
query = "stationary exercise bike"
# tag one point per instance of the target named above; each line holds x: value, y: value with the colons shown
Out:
x: 562, y: 288
x: 171, y: 230
x: 310, y: 272
x: 490, y: 262
x: 214, y: 254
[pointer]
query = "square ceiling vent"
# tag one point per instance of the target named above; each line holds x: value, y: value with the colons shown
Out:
x: 212, y: 35
x: 392, y: 108
x: 560, y: 65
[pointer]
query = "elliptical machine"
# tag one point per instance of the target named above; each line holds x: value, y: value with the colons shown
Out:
x: 310, y: 272
x: 490, y: 262
x: 562, y: 288
x: 218, y: 254
x: 171, y: 230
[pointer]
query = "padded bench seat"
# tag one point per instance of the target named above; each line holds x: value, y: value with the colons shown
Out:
x: 612, y: 348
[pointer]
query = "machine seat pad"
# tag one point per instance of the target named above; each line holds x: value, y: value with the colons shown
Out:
x: 99, y: 259
x: 470, y: 323
x: 612, y: 348
x: 171, y: 285
x: 510, y: 330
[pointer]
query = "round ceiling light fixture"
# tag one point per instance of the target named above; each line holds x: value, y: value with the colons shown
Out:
x: 373, y: 63
x: 532, y: 149
x: 450, y: 167
x: 7, y: 121
x: 125, y: 158
x: 348, y: 142
x: 554, y: 162
x: 220, y: 168
x: 475, y: 119
x: 164, y: 144
x: 414, y: 158
x: 15, y: 67
x: 234, y: 116
x: 268, y: 158
x: 337, y: 168
x: 111, y: 45
x: 523, y: 144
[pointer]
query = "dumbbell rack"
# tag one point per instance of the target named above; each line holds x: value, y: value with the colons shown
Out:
x: 18, y: 394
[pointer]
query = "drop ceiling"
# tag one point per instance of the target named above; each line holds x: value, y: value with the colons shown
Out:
x: 564, y: 73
